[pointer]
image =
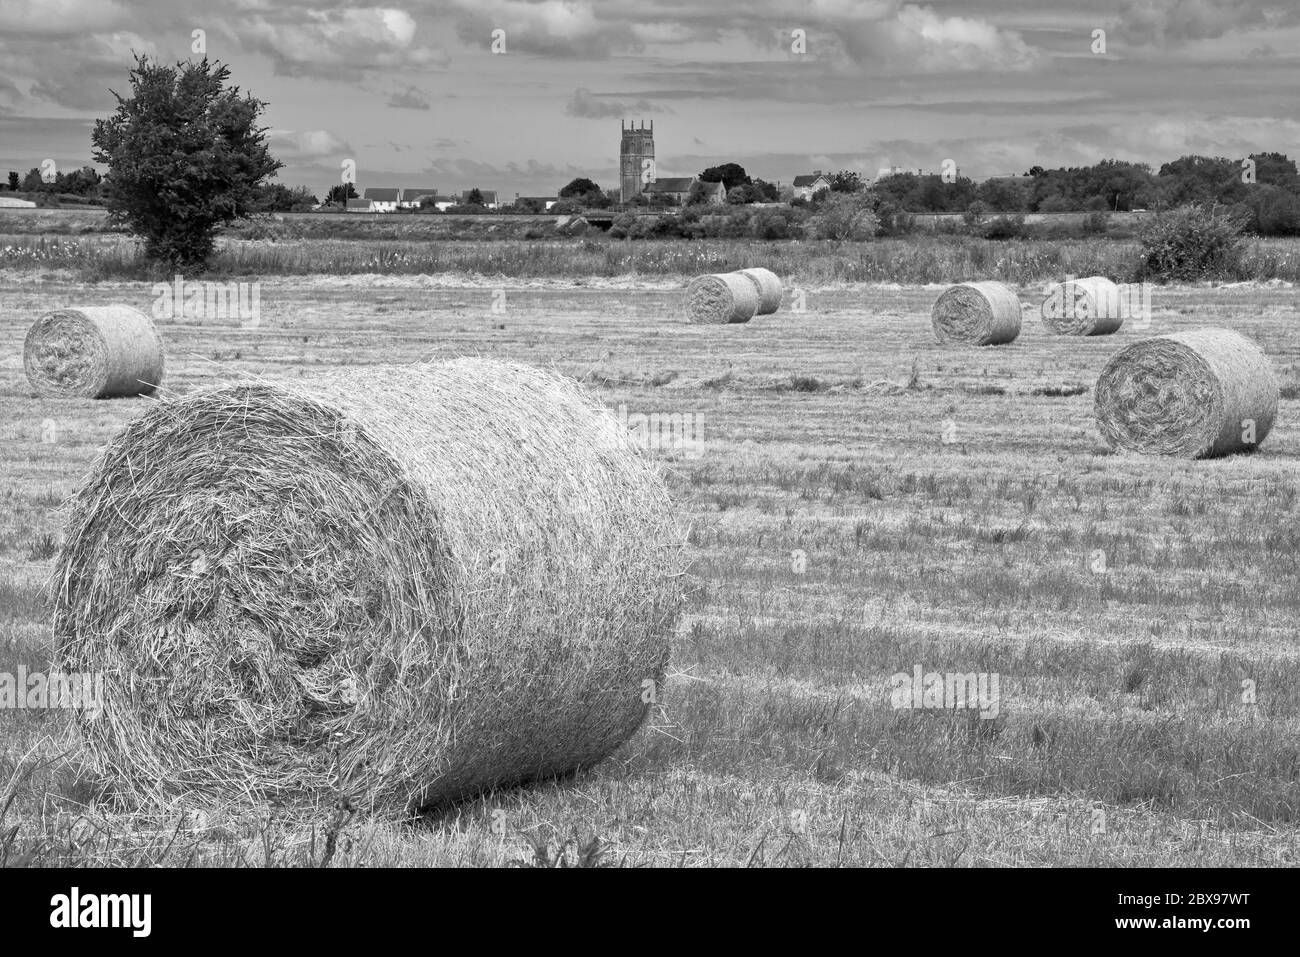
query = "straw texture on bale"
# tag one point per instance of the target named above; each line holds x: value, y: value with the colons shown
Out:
x: 94, y: 352
x: 1191, y: 394
x: 721, y: 298
x: 977, y: 313
x: 770, y: 290
x: 406, y: 585
x: 1083, y: 307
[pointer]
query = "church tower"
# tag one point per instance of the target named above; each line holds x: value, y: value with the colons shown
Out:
x: 636, y: 155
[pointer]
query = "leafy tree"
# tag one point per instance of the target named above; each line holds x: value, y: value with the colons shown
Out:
x: 975, y: 213
x: 839, y: 216
x: 13, y: 181
x: 1270, y: 211
x: 81, y: 182
x: 185, y: 155
x: 730, y: 175
x: 1190, y: 243
x: 32, y: 182
x: 1200, y: 180
x: 475, y: 198
x: 698, y: 194
x: 1003, y: 195
x: 764, y: 192
x: 278, y: 198
x: 771, y: 224
x: 580, y: 188
x: 340, y: 194
x: 741, y: 195
x: 846, y: 181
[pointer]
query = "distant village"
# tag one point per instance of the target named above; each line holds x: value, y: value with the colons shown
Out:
x: 639, y: 184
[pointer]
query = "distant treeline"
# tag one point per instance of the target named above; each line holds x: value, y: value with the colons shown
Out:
x: 1263, y: 190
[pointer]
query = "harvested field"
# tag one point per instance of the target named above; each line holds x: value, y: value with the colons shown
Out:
x: 865, y: 501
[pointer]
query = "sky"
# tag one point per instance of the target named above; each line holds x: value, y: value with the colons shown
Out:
x: 413, y: 93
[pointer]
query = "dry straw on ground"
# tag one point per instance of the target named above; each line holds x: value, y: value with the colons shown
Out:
x: 1083, y: 307
x: 977, y: 313
x: 405, y: 584
x: 95, y: 352
x: 1192, y: 394
x: 770, y: 290
x: 721, y: 298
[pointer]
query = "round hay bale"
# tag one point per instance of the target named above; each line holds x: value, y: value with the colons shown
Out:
x: 977, y: 313
x: 93, y: 352
x: 721, y: 298
x: 1083, y: 307
x: 770, y: 290
x: 405, y: 584
x: 1192, y: 394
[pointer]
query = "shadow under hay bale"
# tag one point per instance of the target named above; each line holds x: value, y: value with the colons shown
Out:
x: 770, y: 290
x: 406, y: 584
x: 977, y: 313
x: 722, y: 298
x: 1083, y: 307
x: 1195, y: 394
x: 93, y: 352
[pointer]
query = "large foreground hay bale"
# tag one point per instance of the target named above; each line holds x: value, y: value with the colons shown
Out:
x: 1083, y: 307
x: 1192, y: 394
x: 770, y: 290
x: 721, y: 298
x: 405, y: 584
x: 977, y: 313
x: 95, y: 352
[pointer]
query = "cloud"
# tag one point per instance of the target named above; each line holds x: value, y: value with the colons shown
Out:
x: 1162, y: 22
x: 596, y: 106
x: 918, y: 39
x: 57, y: 17
x: 409, y: 99
x: 86, y: 69
x: 339, y: 43
x: 306, y: 144
x: 10, y: 96
x: 562, y: 28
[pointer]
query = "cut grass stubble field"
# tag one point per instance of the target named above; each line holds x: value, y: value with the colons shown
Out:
x: 866, y: 502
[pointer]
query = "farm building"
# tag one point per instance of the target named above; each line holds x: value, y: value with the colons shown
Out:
x: 805, y: 187
x: 678, y: 188
x: 411, y: 196
x: 383, y: 199
x: 360, y: 206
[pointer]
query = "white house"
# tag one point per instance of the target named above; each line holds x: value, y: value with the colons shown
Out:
x: 359, y: 206
x: 383, y: 199
x: 805, y: 187
x: 411, y: 196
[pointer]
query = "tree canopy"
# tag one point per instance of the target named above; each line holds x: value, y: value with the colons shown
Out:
x: 185, y: 155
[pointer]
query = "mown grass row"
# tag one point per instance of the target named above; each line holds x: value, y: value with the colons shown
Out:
x: 933, y: 259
